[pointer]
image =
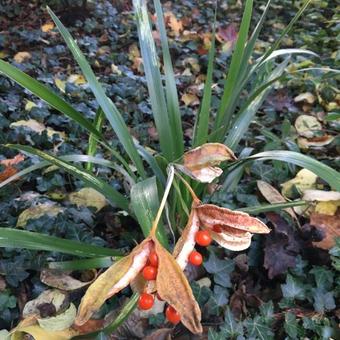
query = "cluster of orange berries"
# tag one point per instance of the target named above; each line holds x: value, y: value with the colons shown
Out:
x: 149, y: 273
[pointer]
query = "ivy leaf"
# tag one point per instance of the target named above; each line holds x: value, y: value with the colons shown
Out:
x: 215, y: 265
x: 221, y: 295
x: 323, y: 300
x: 293, y: 289
x: 323, y: 277
x: 231, y: 328
x: 257, y: 328
x: 292, y: 327
x: 267, y: 311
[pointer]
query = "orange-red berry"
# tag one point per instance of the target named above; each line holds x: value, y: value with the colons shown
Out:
x: 149, y: 273
x: 203, y: 238
x: 145, y: 301
x: 195, y: 258
x: 153, y: 259
x: 172, y: 315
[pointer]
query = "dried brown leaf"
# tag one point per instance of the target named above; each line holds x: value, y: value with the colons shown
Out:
x: 330, y: 228
x: 117, y: 277
x: 273, y: 196
x: 62, y: 280
x: 173, y: 287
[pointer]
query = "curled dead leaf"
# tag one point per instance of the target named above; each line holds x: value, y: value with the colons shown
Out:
x: 273, y: 196
x: 63, y: 280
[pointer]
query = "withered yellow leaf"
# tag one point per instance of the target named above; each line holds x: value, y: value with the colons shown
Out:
x: 116, y: 278
x: 173, y: 287
x: 211, y: 216
x: 306, y: 125
x: 20, y: 57
x: 39, y: 333
x: 47, y: 27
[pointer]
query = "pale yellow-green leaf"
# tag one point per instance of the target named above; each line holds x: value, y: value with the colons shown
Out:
x: 35, y: 212
x: 39, y: 333
x: 59, y: 322
x: 29, y: 105
x: 304, y: 179
x: 50, y: 296
x: 306, y: 126
x: 20, y: 57
x: 60, y: 84
x: 88, y: 197
x: 306, y: 97
x: 327, y: 208
x: 4, y: 334
x: 77, y: 79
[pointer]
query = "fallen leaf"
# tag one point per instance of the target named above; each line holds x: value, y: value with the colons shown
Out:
x: 48, y: 303
x: 38, y: 127
x: 306, y: 143
x: 175, y: 24
x: 63, y: 281
x: 60, y: 84
x: 281, y: 246
x: 329, y: 227
x: 48, y: 208
x: 39, y: 333
x: 88, y: 197
x: 273, y: 196
x: 306, y: 97
x: 47, y: 27
x: 306, y: 126
x: 13, y: 161
x: 59, y: 322
x: 190, y: 99
x: 304, y: 179
x: 77, y: 79
x: 30, y: 105
x: 7, y: 173
x: 21, y: 57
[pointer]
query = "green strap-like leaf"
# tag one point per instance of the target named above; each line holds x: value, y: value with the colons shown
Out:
x: 13, y: 238
x: 110, y: 110
x: 145, y: 203
x: 83, y: 264
x: 154, y: 81
x: 48, y: 96
x: 272, y: 207
x: 92, y: 147
x: 234, y: 70
x: 170, y: 86
x: 331, y: 176
x: 201, y: 129
x: 108, y: 191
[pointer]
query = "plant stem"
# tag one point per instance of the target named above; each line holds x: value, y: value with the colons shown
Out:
x: 171, y: 173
